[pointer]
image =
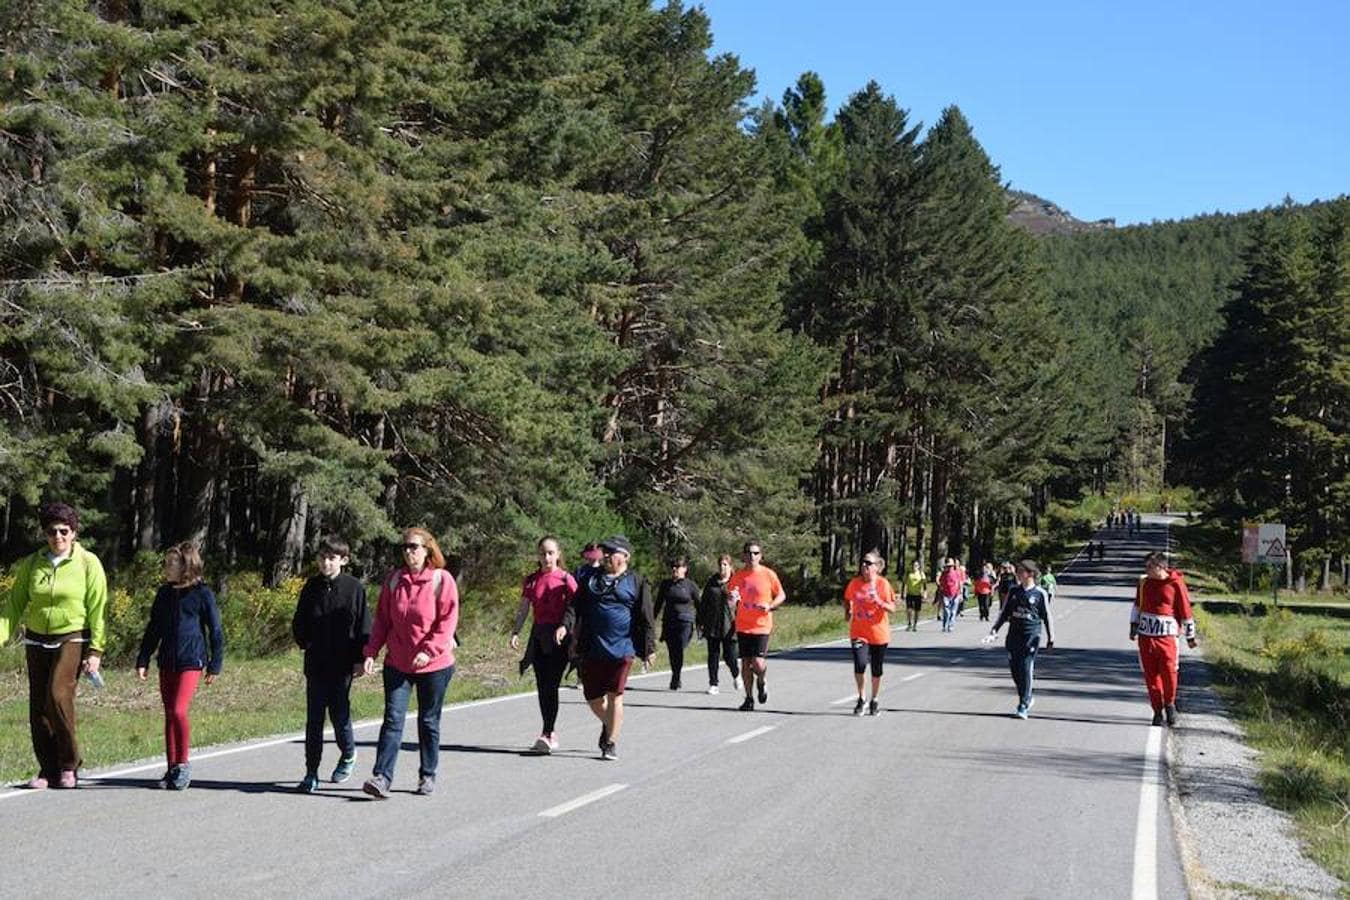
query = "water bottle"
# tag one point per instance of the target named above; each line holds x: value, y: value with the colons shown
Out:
x: 95, y: 678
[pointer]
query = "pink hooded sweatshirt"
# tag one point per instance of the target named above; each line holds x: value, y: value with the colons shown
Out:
x: 410, y: 620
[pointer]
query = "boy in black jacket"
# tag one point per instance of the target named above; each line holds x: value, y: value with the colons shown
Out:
x: 332, y: 626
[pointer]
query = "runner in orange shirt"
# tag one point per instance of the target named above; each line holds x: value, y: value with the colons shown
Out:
x: 867, y: 600
x: 757, y: 592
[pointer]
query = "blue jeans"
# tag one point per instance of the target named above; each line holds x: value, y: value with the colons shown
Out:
x: 431, y: 687
x: 327, y: 696
x: 1022, y: 662
x: 949, y: 611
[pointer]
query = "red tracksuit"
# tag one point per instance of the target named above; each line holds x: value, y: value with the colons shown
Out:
x: 1161, y: 613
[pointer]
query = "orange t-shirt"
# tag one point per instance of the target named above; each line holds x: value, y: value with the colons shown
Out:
x: 757, y: 589
x: 868, y: 620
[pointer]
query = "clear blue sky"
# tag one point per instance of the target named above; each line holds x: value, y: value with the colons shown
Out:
x: 1136, y: 110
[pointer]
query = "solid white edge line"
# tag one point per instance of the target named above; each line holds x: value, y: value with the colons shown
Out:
x: 273, y: 742
x: 1145, y: 882
x: 851, y: 698
x: 564, y: 808
x: 742, y: 738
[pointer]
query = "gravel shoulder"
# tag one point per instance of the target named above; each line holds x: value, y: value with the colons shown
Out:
x: 1232, y: 843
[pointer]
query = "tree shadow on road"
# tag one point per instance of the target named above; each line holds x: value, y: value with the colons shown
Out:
x: 198, y: 784
x: 412, y: 747
x: 1056, y: 763
x: 1086, y: 720
x: 762, y: 710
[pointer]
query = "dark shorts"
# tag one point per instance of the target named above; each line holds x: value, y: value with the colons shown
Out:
x: 604, y: 676
x: 914, y: 601
x: 752, y: 645
x: 864, y: 653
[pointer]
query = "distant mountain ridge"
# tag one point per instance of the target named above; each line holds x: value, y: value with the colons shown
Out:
x: 1041, y: 217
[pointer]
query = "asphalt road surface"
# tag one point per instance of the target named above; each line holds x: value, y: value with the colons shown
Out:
x: 945, y: 794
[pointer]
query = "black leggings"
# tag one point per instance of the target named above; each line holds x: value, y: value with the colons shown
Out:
x: 984, y: 606
x: 677, y: 635
x: 864, y: 653
x: 725, y: 647
x: 548, y: 675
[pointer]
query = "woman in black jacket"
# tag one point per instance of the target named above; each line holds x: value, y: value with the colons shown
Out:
x: 716, y: 622
x: 675, y: 601
x: 183, y: 615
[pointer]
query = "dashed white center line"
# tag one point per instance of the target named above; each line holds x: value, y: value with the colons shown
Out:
x: 742, y: 738
x: 914, y: 676
x: 851, y: 698
x: 564, y: 808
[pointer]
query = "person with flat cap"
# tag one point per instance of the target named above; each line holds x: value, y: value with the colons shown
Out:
x: 612, y: 617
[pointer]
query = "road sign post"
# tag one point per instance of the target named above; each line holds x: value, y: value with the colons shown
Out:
x: 1267, y: 543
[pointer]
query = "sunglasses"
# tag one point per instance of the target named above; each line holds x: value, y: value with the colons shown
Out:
x: 413, y: 548
x: 754, y: 553
x: 869, y: 562
x: 60, y: 531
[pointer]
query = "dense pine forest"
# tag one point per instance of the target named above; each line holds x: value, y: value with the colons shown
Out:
x: 274, y: 269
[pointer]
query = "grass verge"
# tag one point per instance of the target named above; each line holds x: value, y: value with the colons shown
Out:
x: 266, y: 696
x: 1284, y: 674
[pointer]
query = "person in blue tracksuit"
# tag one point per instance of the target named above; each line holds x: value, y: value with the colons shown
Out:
x: 1027, y: 612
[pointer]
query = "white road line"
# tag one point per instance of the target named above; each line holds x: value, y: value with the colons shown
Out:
x: 264, y: 744
x: 956, y: 659
x: 914, y: 676
x: 565, y: 808
x: 851, y: 698
x: 1145, y: 885
x: 742, y: 738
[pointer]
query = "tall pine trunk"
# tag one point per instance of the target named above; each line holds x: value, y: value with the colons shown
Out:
x: 291, y: 547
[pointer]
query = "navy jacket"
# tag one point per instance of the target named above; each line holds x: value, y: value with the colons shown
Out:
x: 332, y: 624
x: 612, y: 619
x: 180, y: 622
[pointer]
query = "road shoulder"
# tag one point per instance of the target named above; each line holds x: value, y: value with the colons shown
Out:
x: 1232, y: 843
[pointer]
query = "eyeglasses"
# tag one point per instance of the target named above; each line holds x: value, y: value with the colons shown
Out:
x: 59, y: 531
x: 413, y: 548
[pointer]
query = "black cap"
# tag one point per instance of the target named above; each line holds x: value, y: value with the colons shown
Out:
x: 617, y: 542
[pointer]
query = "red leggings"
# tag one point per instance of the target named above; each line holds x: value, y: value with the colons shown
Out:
x: 176, y: 689
x: 1158, y: 656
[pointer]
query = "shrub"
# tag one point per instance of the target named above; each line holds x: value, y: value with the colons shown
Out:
x: 1302, y: 675
x: 257, y: 618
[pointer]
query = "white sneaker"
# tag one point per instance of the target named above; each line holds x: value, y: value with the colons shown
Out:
x: 541, y: 745
x: 552, y: 737
x: 736, y: 683
x: 713, y: 689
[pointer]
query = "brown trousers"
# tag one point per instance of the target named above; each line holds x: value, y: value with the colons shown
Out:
x: 51, y: 706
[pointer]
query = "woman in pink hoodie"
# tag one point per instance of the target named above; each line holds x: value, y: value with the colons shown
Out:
x: 415, y: 623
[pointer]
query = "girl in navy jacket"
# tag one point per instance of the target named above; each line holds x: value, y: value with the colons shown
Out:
x: 183, y: 620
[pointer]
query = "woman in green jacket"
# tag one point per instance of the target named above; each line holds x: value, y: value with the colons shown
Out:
x: 58, y: 597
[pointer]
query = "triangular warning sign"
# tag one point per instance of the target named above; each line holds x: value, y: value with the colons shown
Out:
x: 1276, y: 549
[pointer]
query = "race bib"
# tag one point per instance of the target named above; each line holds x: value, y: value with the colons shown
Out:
x: 1151, y: 625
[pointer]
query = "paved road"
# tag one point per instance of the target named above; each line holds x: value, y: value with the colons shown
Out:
x: 943, y: 795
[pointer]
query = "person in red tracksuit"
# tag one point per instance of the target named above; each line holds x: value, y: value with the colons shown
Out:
x: 1161, y: 614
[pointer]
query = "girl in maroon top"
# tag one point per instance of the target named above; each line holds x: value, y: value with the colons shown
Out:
x: 546, y: 591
